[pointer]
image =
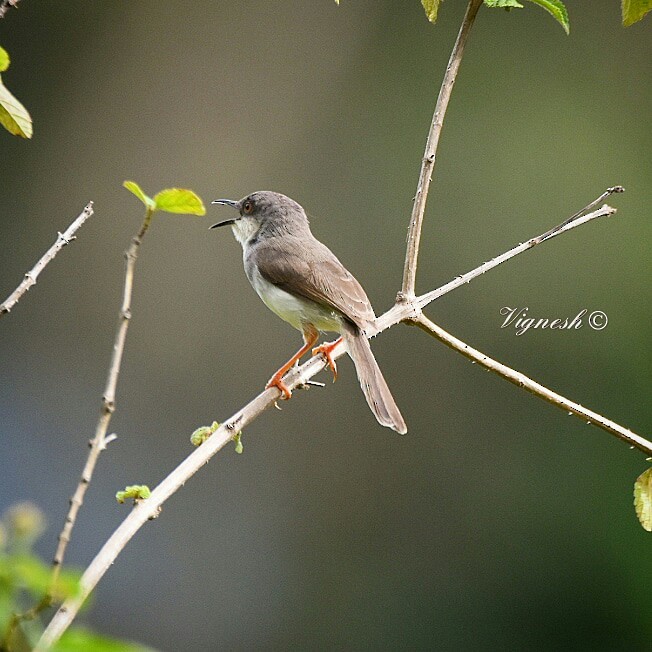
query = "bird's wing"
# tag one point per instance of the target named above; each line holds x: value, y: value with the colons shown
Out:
x: 311, y: 270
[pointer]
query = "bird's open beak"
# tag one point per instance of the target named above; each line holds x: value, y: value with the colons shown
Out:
x: 225, y: 202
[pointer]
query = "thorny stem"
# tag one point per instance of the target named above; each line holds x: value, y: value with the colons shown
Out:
x: 577, y: 220
x: 30, y: 278
x: 521, y: 380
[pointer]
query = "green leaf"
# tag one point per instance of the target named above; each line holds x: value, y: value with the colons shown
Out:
x: 643, y: 499
x: 431, y: 8
x: 136, y: 491
x: 14, y: 117
x: 4, y: 60
x: 504, y: 4
x: 634, y: 10
x: 78, y: 639
x: 134, y: 188
x: 179, y: 200
x: 28, y: 572
x: 557, y: 9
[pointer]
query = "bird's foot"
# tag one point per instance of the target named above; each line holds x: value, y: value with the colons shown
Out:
x: 277, y: 381
x: 327, y: 349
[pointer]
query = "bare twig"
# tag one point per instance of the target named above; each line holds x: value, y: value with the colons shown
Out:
x: 409, y: 309
x: 30, y: 278
x: 567, y: 225
x: 521, y: 380
x: 100, y: 440
x: 403, y: 310
x: 5, y: 4
x: 428, y: 162
x: 580, y: 216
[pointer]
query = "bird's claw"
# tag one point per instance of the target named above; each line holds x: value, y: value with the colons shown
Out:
x: 277, y: 381
x: 326, y: 349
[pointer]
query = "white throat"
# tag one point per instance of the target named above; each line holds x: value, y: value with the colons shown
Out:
x: 244, y: 229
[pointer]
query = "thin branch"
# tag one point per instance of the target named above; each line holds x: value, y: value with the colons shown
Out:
x: 429, y: 157
x: 149, y: 509
x: 521, y: 380
x: 565, y: 226
x: 62, y: 240
x: 100, y: 440
x: 409, y: 310
x: 580, y: 215
x: 5, y: 4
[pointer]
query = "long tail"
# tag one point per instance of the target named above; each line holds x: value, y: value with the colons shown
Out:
x: 371, y: 379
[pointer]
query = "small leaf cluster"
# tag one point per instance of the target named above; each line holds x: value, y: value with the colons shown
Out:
x: 632, y: 10
x: 554, y: 7
x: 201, y: 434
x: 14, y: 117
x: 136, y: 492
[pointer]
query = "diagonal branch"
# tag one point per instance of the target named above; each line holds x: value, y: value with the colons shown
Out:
x: 577, y: 220
x: 429, y: 157
x: 408, y: 311
x: 30, y: 278
x: 521, y: 380
x: 5, y: 4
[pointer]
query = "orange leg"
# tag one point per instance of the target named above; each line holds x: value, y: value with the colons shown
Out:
x: 327, y: 349
x: 310, y: 336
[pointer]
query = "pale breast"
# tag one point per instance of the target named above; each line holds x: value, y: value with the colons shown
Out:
x: 297, y: 311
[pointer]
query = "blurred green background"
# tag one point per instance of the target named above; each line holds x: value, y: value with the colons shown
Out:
x: 498, y: 522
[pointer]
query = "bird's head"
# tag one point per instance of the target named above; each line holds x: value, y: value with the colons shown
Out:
x: 263, y: 212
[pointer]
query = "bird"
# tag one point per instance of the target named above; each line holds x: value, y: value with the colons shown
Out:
x: 302, y: 281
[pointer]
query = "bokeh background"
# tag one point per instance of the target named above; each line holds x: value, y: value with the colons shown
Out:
x: 498, y: 522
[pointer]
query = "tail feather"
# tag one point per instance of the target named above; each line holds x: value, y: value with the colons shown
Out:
x: 374, y: 387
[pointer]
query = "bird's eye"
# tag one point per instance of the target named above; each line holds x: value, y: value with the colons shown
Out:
x: 248, y: 207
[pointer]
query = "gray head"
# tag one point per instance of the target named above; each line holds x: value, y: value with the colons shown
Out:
x: 264, y: 213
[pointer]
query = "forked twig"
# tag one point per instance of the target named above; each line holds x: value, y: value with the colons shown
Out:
x: 30, y: 278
